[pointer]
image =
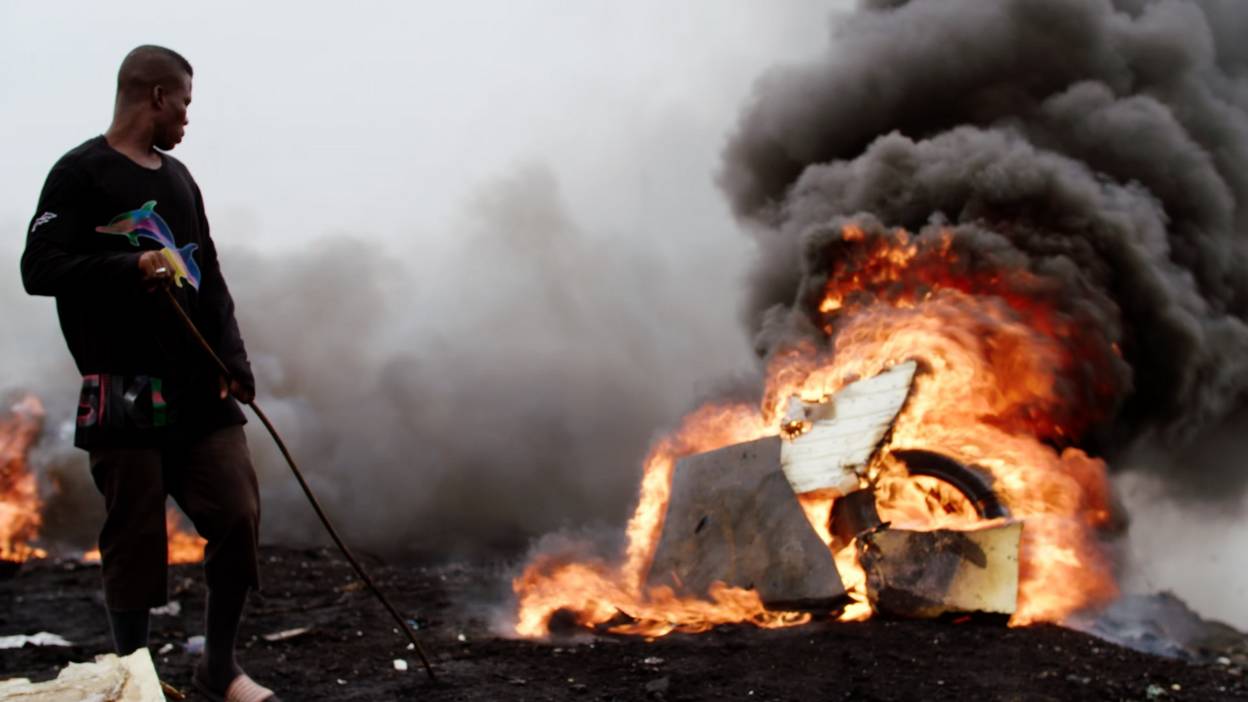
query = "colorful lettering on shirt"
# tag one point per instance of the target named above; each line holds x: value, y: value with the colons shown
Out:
x: 147, y: 224
x: 159, y: 418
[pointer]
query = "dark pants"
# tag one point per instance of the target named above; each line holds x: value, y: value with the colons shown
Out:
x: 212, y: 480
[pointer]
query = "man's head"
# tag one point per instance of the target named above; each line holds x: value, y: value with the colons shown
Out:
x: 155, y: 83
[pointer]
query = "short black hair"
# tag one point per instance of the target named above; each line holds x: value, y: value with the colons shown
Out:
x: 149, y: 65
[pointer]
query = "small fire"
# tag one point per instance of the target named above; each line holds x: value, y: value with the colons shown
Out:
x: 184, y: 547
x: 596, y: 593
x: 20, y: 505
x: 21, y: 508
x: 1011, y: 377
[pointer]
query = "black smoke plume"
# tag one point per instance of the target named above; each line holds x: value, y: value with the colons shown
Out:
x: 1102, y: 146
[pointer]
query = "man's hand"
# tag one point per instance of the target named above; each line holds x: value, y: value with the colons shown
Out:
x: 157, y: 274
x: 232, y: 387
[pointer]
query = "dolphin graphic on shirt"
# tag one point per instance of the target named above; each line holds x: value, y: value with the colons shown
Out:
x: 145, y: 223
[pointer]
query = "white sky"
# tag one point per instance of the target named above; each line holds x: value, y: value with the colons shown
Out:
x: 380, y: 118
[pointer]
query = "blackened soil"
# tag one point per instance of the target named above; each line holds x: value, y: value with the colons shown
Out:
x: 350, y: 649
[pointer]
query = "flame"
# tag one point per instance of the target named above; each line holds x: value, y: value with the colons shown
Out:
x: 20, y: 505
x: 183, y: 546
x: 21, y: 508
x: 1011, y: 376
x: 596, y: 593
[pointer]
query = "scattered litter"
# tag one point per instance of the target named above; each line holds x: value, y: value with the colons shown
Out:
x: 518, y: 681
x: 462, y: 638
x: 109, y: 678
x: 658, y: 686
x: 1223, y: 660
x: 195, y: 645
x: 400, y: 664
x: 43, y: 638
x: 1155, y: 692
x: 165, y: 650
x: 286, y: 634
x: 341, y: 681
x: 172, y: 609
x: 652, y: 660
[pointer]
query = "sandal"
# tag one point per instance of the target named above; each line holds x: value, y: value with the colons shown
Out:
x: 241, y: 689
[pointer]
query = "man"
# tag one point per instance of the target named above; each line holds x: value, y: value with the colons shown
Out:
x: 119, y: 223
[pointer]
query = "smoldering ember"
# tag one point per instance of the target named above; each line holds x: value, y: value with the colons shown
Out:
x: 1000, y: 246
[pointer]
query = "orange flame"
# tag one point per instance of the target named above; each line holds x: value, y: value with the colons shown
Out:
x: 596, y: 593
x: 1011, y: 378
x: 183, y: 546
x: 20, y: 505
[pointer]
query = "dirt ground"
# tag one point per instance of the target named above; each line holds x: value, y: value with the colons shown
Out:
x: 350, y: 649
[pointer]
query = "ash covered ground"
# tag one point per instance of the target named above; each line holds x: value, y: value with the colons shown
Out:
x: 350, y: 649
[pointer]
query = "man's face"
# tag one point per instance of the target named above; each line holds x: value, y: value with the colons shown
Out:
x: 171, y: 121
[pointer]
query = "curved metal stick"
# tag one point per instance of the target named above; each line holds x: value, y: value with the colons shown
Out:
x: 316, y: 505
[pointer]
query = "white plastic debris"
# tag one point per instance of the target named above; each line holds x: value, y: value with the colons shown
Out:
x: 172, y: 609
x: 43, y: 638
x: 195, y: 645
x: 461, y: 638
x: 165, y: 650
x: 109, y: 679
x: 400, y: 664
x: 286, y: 634
x: 845, y: 431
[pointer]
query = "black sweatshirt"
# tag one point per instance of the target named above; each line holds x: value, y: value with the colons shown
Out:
x: 145, y: 382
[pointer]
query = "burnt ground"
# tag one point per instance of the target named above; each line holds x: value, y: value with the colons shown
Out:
x: 350, y: 650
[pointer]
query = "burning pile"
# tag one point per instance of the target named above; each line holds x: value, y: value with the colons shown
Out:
x: 1037, y: 201
x: 21, y: 508
x: 20, y: 505
x: 1000, y: 388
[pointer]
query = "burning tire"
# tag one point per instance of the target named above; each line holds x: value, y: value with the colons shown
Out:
x: 973, y: 484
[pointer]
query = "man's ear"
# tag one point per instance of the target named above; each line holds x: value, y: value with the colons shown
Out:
x: 158, y: 96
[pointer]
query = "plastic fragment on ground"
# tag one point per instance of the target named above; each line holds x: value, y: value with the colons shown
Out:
x: 109, y: 678
x: 43, y: 638
x: 285, y: 634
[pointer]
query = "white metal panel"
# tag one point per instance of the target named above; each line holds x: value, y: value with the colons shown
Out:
x: 846, y: 433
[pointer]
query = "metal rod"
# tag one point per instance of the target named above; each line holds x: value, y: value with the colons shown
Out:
x: 316, y: 505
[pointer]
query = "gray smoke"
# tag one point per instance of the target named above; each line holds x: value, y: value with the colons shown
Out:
x: 1099, y: 146
x: 466, y: 404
